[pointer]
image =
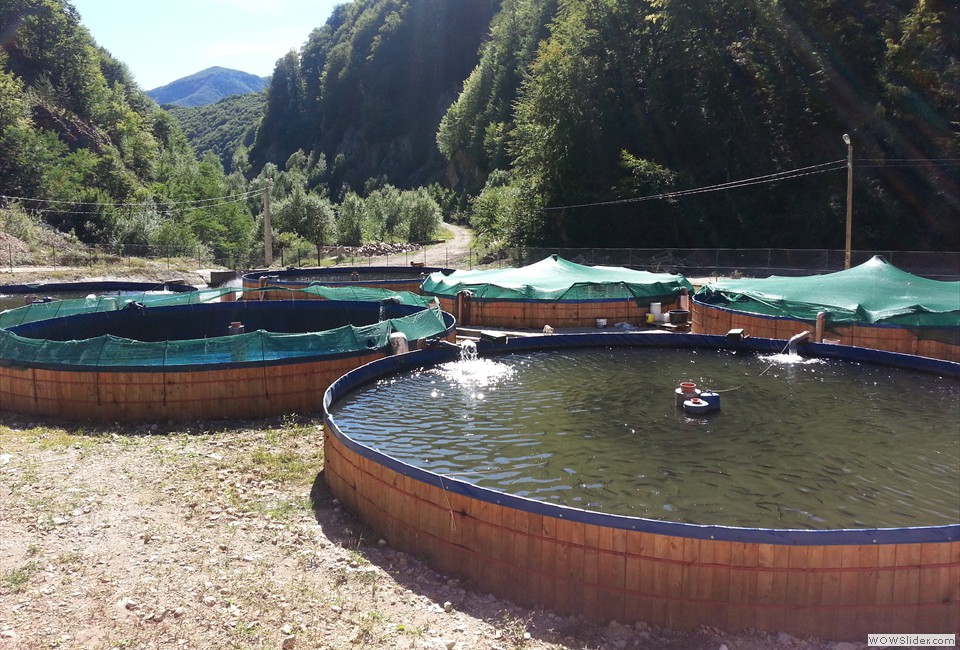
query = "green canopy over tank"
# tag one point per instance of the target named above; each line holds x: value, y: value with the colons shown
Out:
x: 554, y: 279
x: 874, y: 292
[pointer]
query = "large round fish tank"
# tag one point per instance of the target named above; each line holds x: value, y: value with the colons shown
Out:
x: 763, y: 514
x: 394, y: 278
x: 199, y: 361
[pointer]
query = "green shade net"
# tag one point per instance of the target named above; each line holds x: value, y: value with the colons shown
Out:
x: 556, y: 279
x: 361, y: 294
x: 59, y: 308
x: 874, y: 292
x: 110, y: 351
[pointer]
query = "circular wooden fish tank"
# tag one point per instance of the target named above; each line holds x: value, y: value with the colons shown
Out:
x: 834, y: 583
x: 238, y: 359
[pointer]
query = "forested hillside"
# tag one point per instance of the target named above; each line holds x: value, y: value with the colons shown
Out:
x: 84, y: 150
x: 222, y: 127
x: 628, y: 99
x: 369, y: 88
x: 583, y: 102
x: 601, y: 123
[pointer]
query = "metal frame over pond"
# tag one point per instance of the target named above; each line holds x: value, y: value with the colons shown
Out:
x: 837, y: 584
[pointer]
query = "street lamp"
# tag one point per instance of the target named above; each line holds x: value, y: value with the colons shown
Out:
x: 846, y: 139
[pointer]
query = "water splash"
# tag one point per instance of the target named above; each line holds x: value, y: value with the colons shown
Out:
x: 788, y: 359
x: 472, y: 371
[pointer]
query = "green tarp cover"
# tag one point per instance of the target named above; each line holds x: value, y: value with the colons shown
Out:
x: 555, y: 278
x: 874, y: 292
x: 111, y: 351
x: 59, y: 308
x: 362, y: 294
x: 96, y: 303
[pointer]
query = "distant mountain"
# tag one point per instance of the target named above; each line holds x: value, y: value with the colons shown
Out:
x: 207, y: 87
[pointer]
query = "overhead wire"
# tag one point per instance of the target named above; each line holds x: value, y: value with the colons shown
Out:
x: 196, y: 204
x: 821, y: 168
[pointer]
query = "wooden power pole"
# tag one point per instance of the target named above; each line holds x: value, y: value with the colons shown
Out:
x: 267, y: 227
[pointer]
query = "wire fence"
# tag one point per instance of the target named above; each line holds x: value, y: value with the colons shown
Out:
x: 690, y: 262
x: 128, y: 257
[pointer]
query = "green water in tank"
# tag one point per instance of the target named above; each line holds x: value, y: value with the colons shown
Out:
x: 797, y: 442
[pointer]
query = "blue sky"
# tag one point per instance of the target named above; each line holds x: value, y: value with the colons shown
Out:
x: 163, y: 41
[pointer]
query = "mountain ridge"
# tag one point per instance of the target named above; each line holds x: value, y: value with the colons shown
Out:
x: 207, y: 86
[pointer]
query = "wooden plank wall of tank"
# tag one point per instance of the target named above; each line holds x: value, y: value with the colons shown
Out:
x: 707, y: 319
x: 152, y: 393
x: 836, y: 592
x: 534, y: 314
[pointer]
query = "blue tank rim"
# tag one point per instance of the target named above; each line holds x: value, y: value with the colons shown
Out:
x: 780, y: 536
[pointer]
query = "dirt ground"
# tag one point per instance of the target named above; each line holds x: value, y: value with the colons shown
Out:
x: 223, y: 535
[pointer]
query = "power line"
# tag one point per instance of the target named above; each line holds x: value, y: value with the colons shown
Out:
x: 233, y: 198
x: 768, y: 178
x: 822, y: 168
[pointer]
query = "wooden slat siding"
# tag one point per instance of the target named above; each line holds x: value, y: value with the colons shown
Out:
x: 703, y: 554
x: 668, y: 578
x: 590, y: 574
x: 550, y: 562
x: 709, y: 320
x: 132, y: 396
x: 906, y: 586
x: 528, y: 314
x: 751, y: 583
x: 722, y: 578
x: 16, y: 390
x: 123, y: 396
x: 951, y: 601
x: 812, y: 589
x: 611, y: 568
x: 635, y: 578
x: 532, y: 526
x: 690, y: 582
x: 498, y: 577
x: 867, y: 577
x: 643, y: 546
x: 568, y: 565
x: 663, y: 578
x: 934, y: 589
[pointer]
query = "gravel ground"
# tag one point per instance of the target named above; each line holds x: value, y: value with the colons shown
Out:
x: 224, y: 536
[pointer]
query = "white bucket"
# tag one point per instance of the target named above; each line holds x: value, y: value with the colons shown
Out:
x: 657, y: 310
x: 601, y: 323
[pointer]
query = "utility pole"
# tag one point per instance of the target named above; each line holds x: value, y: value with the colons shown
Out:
x: 267, y: 227
x: 846, y: 139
